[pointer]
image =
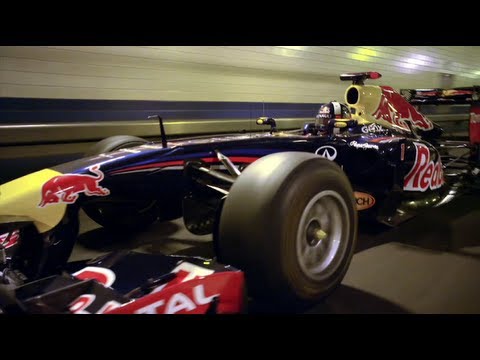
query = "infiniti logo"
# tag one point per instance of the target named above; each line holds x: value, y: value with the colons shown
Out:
x: 328, y: 152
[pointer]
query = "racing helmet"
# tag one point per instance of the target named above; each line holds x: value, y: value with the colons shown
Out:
x: 333, y: 110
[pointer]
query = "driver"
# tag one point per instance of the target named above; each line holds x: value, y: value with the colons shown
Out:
x: 332, y: 110
x: 330, y: 113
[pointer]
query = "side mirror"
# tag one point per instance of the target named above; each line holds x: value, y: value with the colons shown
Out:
x: 268, y: 121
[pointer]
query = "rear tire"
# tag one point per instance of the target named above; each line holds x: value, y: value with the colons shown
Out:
x: 120, y: 215
x: 290, y: 222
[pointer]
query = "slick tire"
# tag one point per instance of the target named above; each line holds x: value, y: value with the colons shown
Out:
x: 290, y: 223
x: 122, y: 215
x: 114, y: 143
x: 118, y: 215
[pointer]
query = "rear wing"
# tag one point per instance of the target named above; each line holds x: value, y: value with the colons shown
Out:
x: 358, y: 78
x: 456, y: 96
x: 437, y: 96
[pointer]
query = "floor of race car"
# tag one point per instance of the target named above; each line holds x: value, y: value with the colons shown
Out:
x: 430, y: 264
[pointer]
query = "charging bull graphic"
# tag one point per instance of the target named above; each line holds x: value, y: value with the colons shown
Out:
x: 66, y: 188
x: 394, y: 109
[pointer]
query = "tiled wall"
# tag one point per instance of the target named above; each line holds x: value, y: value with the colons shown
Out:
x: 287, y: 74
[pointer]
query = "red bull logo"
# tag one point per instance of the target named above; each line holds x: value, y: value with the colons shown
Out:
x: 396, y: 110
x: 425, y: 173
x: 66, y: 188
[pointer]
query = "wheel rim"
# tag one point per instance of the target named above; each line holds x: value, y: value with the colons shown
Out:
x: 322, y: 235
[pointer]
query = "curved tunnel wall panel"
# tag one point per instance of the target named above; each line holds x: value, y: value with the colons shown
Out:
x: 77, y: 94
x: 293, y: 74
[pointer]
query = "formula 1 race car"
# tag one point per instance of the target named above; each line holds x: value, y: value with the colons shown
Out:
x: 282, y: 206
x: 461, y: 95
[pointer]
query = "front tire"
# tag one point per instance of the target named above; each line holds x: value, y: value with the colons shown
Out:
x: 114, y: 143
x: 118, y: 214
x: 290, y: 222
